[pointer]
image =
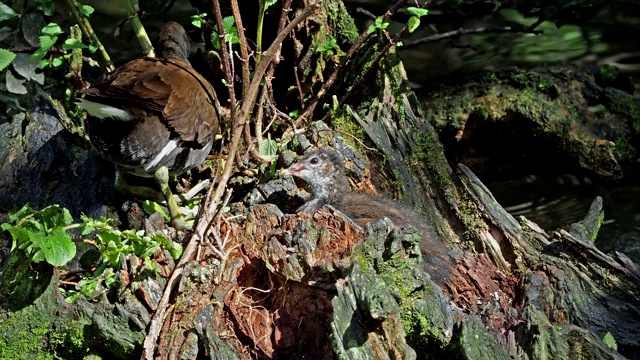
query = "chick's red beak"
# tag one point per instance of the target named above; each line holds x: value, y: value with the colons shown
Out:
x: 293, y: 170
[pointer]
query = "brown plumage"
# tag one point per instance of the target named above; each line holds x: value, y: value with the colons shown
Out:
x: 324, y: 173
x: 154, y: 117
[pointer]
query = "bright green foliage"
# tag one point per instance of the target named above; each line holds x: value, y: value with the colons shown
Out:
x: 198, y: 19
x: 42, y: 234
x: 330, y: 47
x: 152, y: 207
x: 47, y: 39
x: 73, y: 44
x: 610, y: 341
x: 6, y: 58
x: 414, y: 20
x: 84, y: 10
x: 230, y: 30
x: 379, y: 24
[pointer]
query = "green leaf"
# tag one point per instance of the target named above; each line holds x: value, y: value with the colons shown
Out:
x: 415, y: 11
x: 57, y: 62
x: 381, y: 25
x: 198, y: 19
x: 153, y: 207
x: 371, y: 29
x: 47, y: 7
x: 46, y: 42
x: 268, y: 147
x: 231, y: 32
x: 73, y: 44
x: 6, y: 12
x: 25, y: 211
x: 268, y: 3
x: 328, y: 46
x: 58, y: 248
x: 610, y: 341
x: 414, y: 22
x: 54, y: 216
x: 19, y: 235
x: 52, y: 29
x: 85, y: 10
x: 93, y: 46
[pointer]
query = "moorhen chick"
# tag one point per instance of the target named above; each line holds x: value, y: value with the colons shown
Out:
x: 153, y: 118
x: 324, y: 173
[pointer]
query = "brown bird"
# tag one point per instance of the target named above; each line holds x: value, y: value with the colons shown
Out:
x: 153, y: 117
x: 324, y: 173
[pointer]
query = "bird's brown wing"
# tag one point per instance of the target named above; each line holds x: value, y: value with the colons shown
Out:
x: 170, y: 87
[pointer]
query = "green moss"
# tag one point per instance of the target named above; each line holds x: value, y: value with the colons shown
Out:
x: 341, y: 22
x: 428, y: 156
x: 608, y: 72
x: 39, y: 331
x: 345, y: 124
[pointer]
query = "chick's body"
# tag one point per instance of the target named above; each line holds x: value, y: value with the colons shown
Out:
x: 324, y: 173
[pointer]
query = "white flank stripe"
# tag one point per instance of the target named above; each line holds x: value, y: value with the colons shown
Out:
x: 171, y: 145
x: 103, y: 111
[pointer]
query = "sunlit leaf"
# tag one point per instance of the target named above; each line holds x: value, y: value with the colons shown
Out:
x: 57, y: 246
x: 417, y: 11
x: 413, y: 24
x: 73, y: 44
x: 6, y: 57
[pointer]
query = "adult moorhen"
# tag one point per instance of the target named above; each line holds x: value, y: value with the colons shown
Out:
x: 153, y: 117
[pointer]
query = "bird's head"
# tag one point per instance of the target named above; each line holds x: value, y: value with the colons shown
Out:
x: 322, y: 170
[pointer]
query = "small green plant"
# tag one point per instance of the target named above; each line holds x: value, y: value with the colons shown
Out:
x: 379, y: 24
x: 610, y: 341
x: 44, y: 236
x: 198, y: 20
x: 330, y: 47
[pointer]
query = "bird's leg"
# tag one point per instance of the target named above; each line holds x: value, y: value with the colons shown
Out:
x: 162, y: 179
x: 143, y: 192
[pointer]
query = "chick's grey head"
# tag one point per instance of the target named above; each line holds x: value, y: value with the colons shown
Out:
x: 324, y: 173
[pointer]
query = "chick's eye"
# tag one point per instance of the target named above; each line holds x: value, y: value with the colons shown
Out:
x: 314, y: 161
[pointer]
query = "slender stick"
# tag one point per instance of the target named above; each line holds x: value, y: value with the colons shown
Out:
x: 243, y: 47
